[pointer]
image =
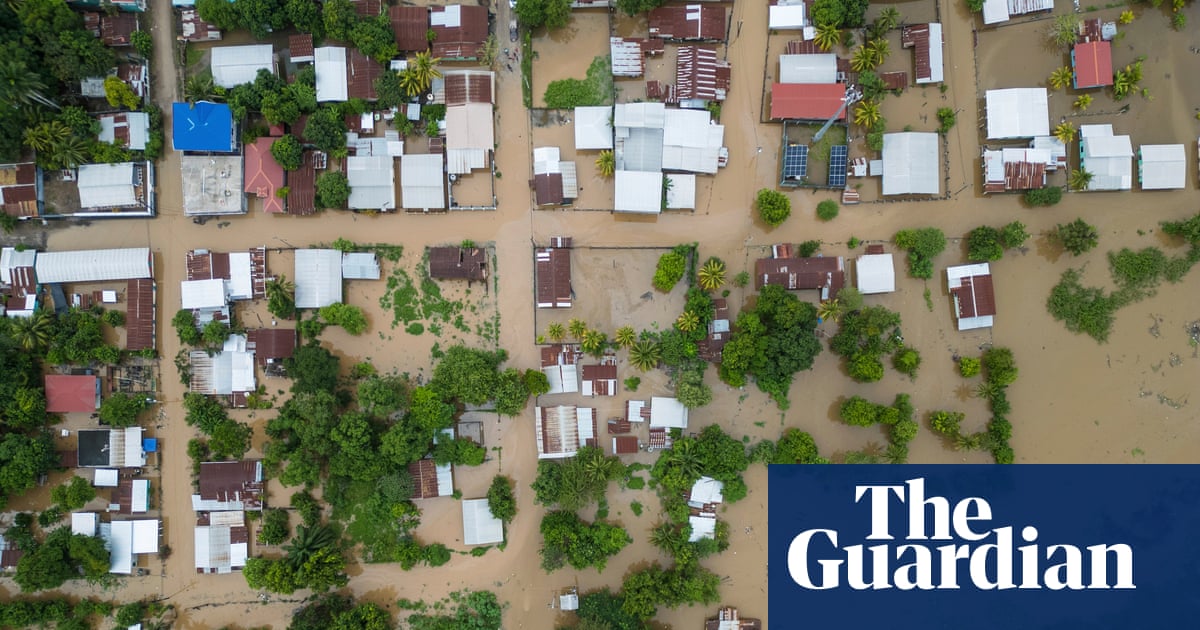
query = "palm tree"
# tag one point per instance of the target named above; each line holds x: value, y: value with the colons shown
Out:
x: 888, y: 18
x: 599, y: 468
x: 866, y: 114
x: 44, y: 137
x: 830, y: 310
x: 1064, y: 30
x: 200, y: 87
x: 684, y: 455
x: 21, y: 86
x: 423, y: 67
x: 33, y: 333
x: 556, y: 332
x: 606, y: 164
x: 70, y: 152
x: 625, y: 336
x: 409, y: 82
x: 1065, y: 132
x: 577, y: 327
x: 1061, y: 77
x: 687, y: 322
x: 593, y: 342
x: 827, y: 36
x: 1123, y: 84
x: 862, y: 60
x: 711, y: 274
x: 1083, y: 101
x: 1080, y: 179
x: 880, y: 49
x: 645, y: 355
x: 666, y: 536
x: 1126, y: 17
x: 307, y: 541
x: 279, y: 285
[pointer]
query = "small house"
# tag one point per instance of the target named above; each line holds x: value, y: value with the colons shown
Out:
x: 470, y: 137
x: 638, y: 192
x: 225, y: 486
x: 554, y: 180
x: 410, y: 26
x: 711, y: 346
x: 973, y: 295
x: 1017, y: 113
x: 128, y: 129
x: 552, y: 267
x: 372, y: 181
x: 875, y: 272
x: 808, y: 69
x: 229, y: 372
x: 817, y: 102
x: 141, y: 298
x: 263, y: 176
x: 20, y: 189
x: 560, y: 365
x: 460, y: 31
x: 479, y: 526
x: 593, y: 128
x: 1014, y: 169
x: 430, y: 479
x: 1162, y: 166
x: 318, y: 277
x: 728, y: 619
x: 561, y: 431
x: 700, y: 75
x: 111, y: 448
x: 911, y: 163
x: 1091, y: 63
x: 461, y: 87
x: 127, y: 539
x: 458, y: 263
x: 667, y: 413
x: 997, y: 11
x: 203, y: 127
x: 234, y: 65
x: 690, y: 22
x: 94, y: 265
x: 787, y: 15
x: 825, y: 274
x: 222, y: 542
x: 330, y: 65
x: 1109, y: 158
x: 600, y: 379
x: 422, y: 182
x: 271, y: 346
x: 625, y: 445
x: 926, y: 42
x: 300, y: 48
x: 242, y: 274
x: 212, y: 184
x: 194, y: 29
x: 72, y: 393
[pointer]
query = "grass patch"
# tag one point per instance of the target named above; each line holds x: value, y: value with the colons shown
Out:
x: 636, y: 508
x: 415, y: 328
x: 596, y: 89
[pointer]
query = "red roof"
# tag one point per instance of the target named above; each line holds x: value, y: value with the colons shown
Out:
x: 139, y: 315
x: 367, y: 8
x: 468, y: 86
x: 625, y: 444
x: 263, y: 175
x: 1093, y: 64
x: 301, y: 46
x: 68, y: 394
x: 976, y: 296
x: 804, y: 101
x: 553, y: 286
x: 410, y: 25
x: 699, y: 74
x: 688, y: 22
x: 361, y: 72
x: 801, y: 273
x: 302, y: 188
x: 18, y: 189
x: 464, y: 40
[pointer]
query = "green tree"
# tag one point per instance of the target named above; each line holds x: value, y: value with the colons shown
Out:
x: 796, y: 447
x: 374, y: 38
x: 1013, y: 235
x: 215, y: 333
x: 382, y: 396
x: 946, y: 119
x: 906, y: 361
x: 593, y: 342
x: 467, y: 374
x: 131, y: 613
x: 73, y: 494
x: 333, y: 190
x: 459, y: 451
x: 312, y: 369
x: 645, y: 355
x: 625, y: 336
x: 19, y: 85
x: 1065, y: 132
x: 691, y: 390
x: 946, y: 422
x: 968, y: 366
x: 975, y: 6
x: 221, y: 14
x: 1061, y: 77
x: 827, y: 36
x: 983, y: 244
x: 773, y: 206
x: 281, y: 297
x: 121, y: 409
x: 305, y: 16
x: 340, y: 18
x: 556, y: 332
x: 501, y: 501
x: 326, y: 130
x: 577, y: 327
x: 1080, y: 179
x: 423, y: 68
x: 288, y: 152
x: 711, y: 275
x: 827, y: 210
x: 142, y: 43
x: 669, y: 271
x: 1047, y: 196
x: 274, y: 529
x: 553, y: 14
x: 923, y: 246
x: 1064, y: 30
x: 32, y: 334
x: 350, y: 318
x: 606, y: 164
x: 568, y: 539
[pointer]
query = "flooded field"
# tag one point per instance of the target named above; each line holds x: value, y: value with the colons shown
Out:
x: 1125, y: 401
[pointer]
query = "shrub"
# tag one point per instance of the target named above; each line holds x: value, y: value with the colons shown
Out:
x: 827, y: 210
x: 946, y: 422
x: 946, y: 118
x: 116, y: 319
x: 184, y: 323
x: 333, y: 190
x: 1013, y: 235
x: 808, y: 248
x: 865, y: 367
x: 773, y: 206
x: 923, y: 246
x: 968, y: 366
x: 1077, y: 236
x: 906, y: 361
x: 501, y: 501
x: 983, y: 244
x: 1044, y: 196
x: 669, y: 271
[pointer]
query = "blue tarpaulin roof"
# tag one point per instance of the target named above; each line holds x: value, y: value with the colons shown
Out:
x: 203, y: 126
x: 150, y: 445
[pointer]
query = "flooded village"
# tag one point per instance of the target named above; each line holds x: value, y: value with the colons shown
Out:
x: 493, y: 312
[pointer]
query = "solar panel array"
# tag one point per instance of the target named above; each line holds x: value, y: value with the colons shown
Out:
x: 837, y: 166
x: 795, y: 161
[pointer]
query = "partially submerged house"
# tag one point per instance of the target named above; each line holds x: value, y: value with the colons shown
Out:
x: 263, y: 177
x: 141, y: 307
x: 300, y: 48
x: 1107, y: 157
x: 71, y: 393
x: 729, y: 619
x: 228, y: 373
x: 702, y: 500
x: 18, y: 282
x: 212, y: 185
x: 230, y: 486
x: 808, y: 101
x: 470, y: 137
x: 700, y: 76
x: 552, y: 266
x: 1091, y: 63
x: 667, y: 413
x: 458, y: 263
x: 271, y: 346
x: 460, y: 31
x: 330, y: 65
x: 234, y: 65
x: 128, y: 129
x: 560, y: 364
x: 973, y: 295
x: 554, y: 180
x: 926, y: 42
x: 422, y: 182
x: 561, y: 431
x: 593, y: 128
x: 243, y: 274
x: 1014, y: 169
x: 826, y: 274
x: 1162, y: 166
x: 480, y: 527
x: 600, y: 379
x: 625, y: 445
x: 318, y: 277
x: 21, y: 189
x: 875, y: 272
x: 221, y: 542
x: 127, y: 539
x: 109, y: 190
x: 194, y: 29
x: 461, y: 87
x: 372, y: 180
x: 1017, y: 113
x: 997, y: 11
x: 787, y: 15
x: 94, y: 265
x: 911, y: 163
x: 690, y: 22
x: 111, y: 448
x: 711, y: 346
x: 430, y: 479
x: 410, y: 25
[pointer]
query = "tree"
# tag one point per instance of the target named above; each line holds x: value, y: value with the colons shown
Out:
x: 771, y: 341
x: 281, y: 297
x: 906, y: 361
x: 1126, y: 17
x: 423, y: 67
x: 350, y: 318
x: 888, y: 18
x: 669, y: 271
x: 200, y: 87
x: 1065, y: 132
x: 1043, y: 196
x: 1080, y: 179
x: 831, y: 310
x: 1061, y: 77
x: 382, y: 396
x: 606, y: 164
x: 773, y: 206
x: 121, y: 409
x: 326, y: 129
x: 568, y: 539
x: 711, y: 275
x: 946, y: 119
x: 184, y: 323
x: 593, y: 342
x: 983, y: 244
x: 313, y: 369
x: 1077, y: 237
x: 923, y: 246
x: 131, y: 613
x: 374, y: 38
x: 74, y: 494
x: 333, y: 190
x: 863, y: 59
x: 501, y: 501
x: 19, y: 85
x: 687, y: 322
x: 999, y: 366
x: 1064, y: 30
x: 287, y: 152
x: 577, y: 327
x: 827, y: 210
x: 552, y: 14
x: 645, y: 355
x: 339, y: 18
x: 556, y: 332
x: 142, y: 43
x: 975, y: 6
x: 274, y: 528
x: 305, y: 16
x: 1083, y: 101
x: 879, y: 50
x: 827, y: 36
x: 691, y: 390
x: 1013, y: 235
x: 33, y: 334
x: 215, y: 333
x: 625, y: 336
x: 223, y: 15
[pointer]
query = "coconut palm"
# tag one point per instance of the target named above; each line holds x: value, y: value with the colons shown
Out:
x: 1065, y: 132
x: 70, y: 152
x: 879, y: 49
x: 599, y: 468
x: 1064, y: 30
x: 593, y: 342
x: 666, y: 536
x: 831, y: 310
x: 33, y: 333
x: 862, y: 59
x: 711, y: 274
x: 687, y: 322
x: 606, y: 163
x: 1083, y: 101
x: 21, y: 86
x: 625, y: 336
x: 410, y: 83
x: 576, y: 327
x: 827, y: 36
x: 1126, y: 17
x: 888, y: 19
x: 200, y: 87
x: 1061, y: 77
x: 44, y: 137
x: 556, y: 332
x: 1080, y: 179
x: 423, y: 67
x: 686, y: 456
x: 866, y: 114
x: 645, y: 354
x: 307, y: 541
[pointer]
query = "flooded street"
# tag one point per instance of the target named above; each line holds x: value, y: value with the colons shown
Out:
x: 1125, y: 401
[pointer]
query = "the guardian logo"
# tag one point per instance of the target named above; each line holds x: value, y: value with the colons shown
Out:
x: 949, y: 546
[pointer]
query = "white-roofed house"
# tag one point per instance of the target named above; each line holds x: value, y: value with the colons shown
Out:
x: 229, y: 372
x: 103, y: 186
x: 1162, y: 166
x: 95, y: 265
x: 997, y: 11
x: 479, y: 526
x: 808, y: 69
x: 910, y: 163
x: 372, y: 180
x: 786, y: 16
x: 561, y: 431
x: 667, y: 413
x: 627, y: 57
x: 681, y: 191
x: 593, y: 128
x: 705, y: 493
x: 106, y: 478
x: 330, y: 66
x: 973, y: 294
x: 318, y: 277
x: 422, y: 182
x: 560, y: 365
x: 85, y: 523
x: 1107, y: 157
x: 222, y: 545
x: 203, y: 294
x: 111, y: 448
x: 235, y: 65
x: 1015, y: 169
x: 554, y: 180
x: 470, y: 137
x: 1017, y: 113
x: 875, y: 273
x: 691, y: 142
x: 126, y: 539
x: 638, y: 192
x: 360, y: 266
x: 128, y: 129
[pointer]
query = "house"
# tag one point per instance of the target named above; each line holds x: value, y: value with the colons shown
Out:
x: 461, y: 87
x: 638, y: 192
x: 141, y: 301
x: 552, y: 267
x: 625, y: 445
x: 636, y: 411
x: 561, y: 431
x: 639, y: 129
x: 212, y: 185
x: 136, y: 6
x: 302, y: 184
x: 705, y: 494
x: 787, y: 15
x: 331, y: 66
x: 106, y: 189
x: 235, y: 485
x: 372, y: 180
x: 1017, y: 113
x: 875, y: 272
x: 973, y: 295
x: 194, y: 29
x: 430, y: 479
x: 263, y: 176
x: 300, y: 48
x: 126, y: 539
x: 554, y: 180
x: 111, y: 448
x: 700, y: 75
x: 911, y: 163
x: 470, y: 137
x: 1092, y: 64
x: 368, y: 8
x: 691, y: 22
x: 114, y: 30
x: 711, y: 346
x: 234, y: 65
x: 997, y: 11
x: 560, y: 365
x: 692, y: 142
x: 628, y: 58
x: 808, y: 101
x: 728, y: 619
x: 422, y: 182
x: 221, y: 542
x: 243, y: 274
x: 410, y: 25
x: 128, y: 129
x: 600, y: 379
x: 681, y: 191
x: 1107, y: 157
x: 20, y: 189
x: 458, y: 263
x: 1162, y: 166
x: 318, y: 277
x: 593, y: 128
x: 203, y: 295
x: 360, y: 266
x: 667, y: 413
x: 203, y: 127
x: 1014, y: 169
x: 479, y: 526
x: 94, y: 265
x: 135, y: 75
x: 1056, y: 151
x: 18, y: 283
x: 825, y: 274
x: 129, y: 496
x: 229, y: 372
x: 460, y: 31
x: 820, y: 68
x: 361, y: 73
x: 271, y: 346
x: 926, y: 42
x: 85, y: 523
x: 66, y: 393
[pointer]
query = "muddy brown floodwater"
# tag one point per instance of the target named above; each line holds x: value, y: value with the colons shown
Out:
x: 1076, y: 401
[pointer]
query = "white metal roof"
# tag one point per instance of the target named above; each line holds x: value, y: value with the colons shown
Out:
x: 145, y: 536
x: 479, y: 526
x: 995, y: 11
x: 668, y: 412
x: 564, y: 379
x: 138, y: 124
x: 681, y: 192
x: 470, y: 127
x: 202, y: 294
x: 1110, y: 161
x: 10, y: 259
x: 820, y: 68
x: 1095, y: 131
x: 690, y: 142
x: 422, y: 182
x: 627, y: 58
x: 1162, y: 166
x: 106, y: 478
x: 954, y: 277
x: 140, y: 501
x: 241, y: 276
x: 702, y: 527
x: 360, y: 266
x: 1055, y: 148
x: 330, y: 65
x: 706, y: 490
x: 640, y: 115
x: 593, y: 128
x: 633, y: 410
x: 910, y: 163
x: 876, y: 273
x: 546, y: 160
x: 935, y: 54
x: 1017, y: 113
x: 119, y: 541
x: 638, y: 191
x: 318, y: 277
x: 84, y: 523
x: 106, y: 185
x: 94, y: 265
x: 372, y: 180
x: 570, y: 180
x: 786, y: 17
x: 463, y: 161
x: 126, y: 447
x: 235, y: 65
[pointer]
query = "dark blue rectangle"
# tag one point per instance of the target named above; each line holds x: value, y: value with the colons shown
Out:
x: 1155, y: 510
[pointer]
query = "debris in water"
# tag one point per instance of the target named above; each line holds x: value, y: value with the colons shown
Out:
x: 1154, y: 331
x: 1170, y: 402
x: 649, y: 295
x: 1176, y: 360
x: 1156, y: 367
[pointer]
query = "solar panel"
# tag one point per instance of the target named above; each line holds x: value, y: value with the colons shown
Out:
x: 795, y: 161
x: 837, y: 166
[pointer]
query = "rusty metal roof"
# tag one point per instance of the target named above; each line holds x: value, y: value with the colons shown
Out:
x: 801, y: 273
x: 456, y: 263
x: 625, y: 445
x: 271, y: 343
x: 115, y: 30
x: 139, y: 315
x: 469, y: 86
x: 410, y: 24
x: 553, y: 267
x: 463, y: 41
x: 361, y: 72
x: 232, y: 481
x: 301, y: 45
x: 691, y: 22
x: 302, y: 186
x: 700, y: 74
x: 976, y: 296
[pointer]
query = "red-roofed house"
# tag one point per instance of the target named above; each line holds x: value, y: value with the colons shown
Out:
x: 1092, y: 62
x: 461, y: 30
x: 263, y: 175
x: 807, y: 101
x: 973, y: 294
x: 690, y: 22
x: 826, y: 274
x: 300, y: 48
x: 410, y: 24
x: 72, y: 394
x: 361, y: 72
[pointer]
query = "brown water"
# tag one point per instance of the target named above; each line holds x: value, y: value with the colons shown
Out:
x: 1076, y: 401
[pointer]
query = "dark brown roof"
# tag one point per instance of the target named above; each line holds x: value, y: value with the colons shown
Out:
x: 122, y: 495
x: 625, y: 444
x: 456, y: 263
x: 1024, y: 175
x: 18, y: 189
x: 560, y: 354
x: 976, y: 296
x: 553, y: 267
x: 463, y: 41
x: 600, y: 375
x: 801, y: 273
x: 271, y: 343
x: 658, y: 437
x: 468, y: 86
x: 619, y: 426
x: 23, y: 281
x: 424, y: 477
x: 139, y: 315
x: 410, y: 25
x: 10, y: 557
x: 894, y: 80
x: 232, y: 481
x: 803, y: 47
x: 916, y: 36
x: 368, y: 8
x: 671, y: 22
x: 207, y: 265
x: 302, y: 186
x: 115, y: 30
x: 361, y: 72
x: 297, y: 128
x: 301, y: 45
x: 1090, y: 31
x: 548, y: 189
x: 700, y: 74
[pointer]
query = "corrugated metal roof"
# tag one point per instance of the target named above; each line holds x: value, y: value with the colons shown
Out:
x: 681, y: 194
x: 638, y: 191
x: 202, y: 294
x: 790, y: 101
x: 926, y: 42
x: 479, y: 526
x: 422, y: 182
x: 688, y: 22
x: 302, y: 189
x: 372, y: 181
x: 107, y: 185
x: 470, y: 126
x: 235, y: 65
x: 1093, y: 66
x: 1162, y: 166
x: 553, y: 273
x: 318, y: 277
x: 820, y: 68
x: 409, y: 24
x: 627, y: 59
x: 456, y: 263
x: 360, y: 266
x: 94, y: 265
x: 1017, y: 113
x: 593, y: 127
x: 910, y: 163
x: 468, y: 86
x: 140, y: 296
x: 330, y: 64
